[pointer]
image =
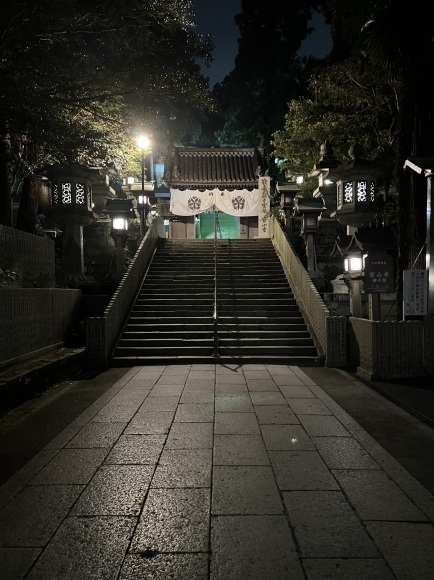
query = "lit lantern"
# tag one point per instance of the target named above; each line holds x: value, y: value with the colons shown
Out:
x: 71, y: 208
x: 71, y: 195
x: 120, y: 211
x: 357, y: 189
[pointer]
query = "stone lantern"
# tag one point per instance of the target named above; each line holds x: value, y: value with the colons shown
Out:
x: 120, y: 211
x: 310, y: 210
x: 324, y: 171
x: 71, y: 208
x: 368, y: 256
x: 288, y: 192
x: 357, y: 189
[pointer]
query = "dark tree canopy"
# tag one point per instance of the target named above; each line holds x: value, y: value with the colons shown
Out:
x: 77, y: 82
x: 268, y: 73
x: 398, y: 41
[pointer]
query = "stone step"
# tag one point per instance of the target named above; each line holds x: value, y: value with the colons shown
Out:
x: 226, y: 310
x: 212, y: 358
x: 226, y: 342
x: 235, y: 300
x: 226, y: 324
x: 257, y: 315
x: 179, y: 287
x: 195, y: 348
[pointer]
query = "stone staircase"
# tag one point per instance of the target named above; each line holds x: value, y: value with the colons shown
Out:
x: 257, y: 316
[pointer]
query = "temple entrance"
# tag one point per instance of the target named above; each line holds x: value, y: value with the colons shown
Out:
x: 227, y: 226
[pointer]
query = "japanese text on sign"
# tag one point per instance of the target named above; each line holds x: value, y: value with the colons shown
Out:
x: 379, y: 276
x: 415, y: 292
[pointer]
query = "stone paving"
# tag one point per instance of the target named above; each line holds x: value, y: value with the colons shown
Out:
x: 197, y: 472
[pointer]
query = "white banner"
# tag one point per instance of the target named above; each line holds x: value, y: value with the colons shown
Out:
x: 239, y: 202
x: 264, y: 209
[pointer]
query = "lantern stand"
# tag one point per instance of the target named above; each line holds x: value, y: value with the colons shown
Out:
x: 141, y: 193
x: 310, y: 210
x: 71, y: 207
x: 348, y: 248
x: 354, y: 262
x: 288, y: 191
x: 120, y: 211
x: 357, y: 196
x: 368, y: 267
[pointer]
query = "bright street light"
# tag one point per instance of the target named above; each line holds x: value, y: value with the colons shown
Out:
x: 143, y: 142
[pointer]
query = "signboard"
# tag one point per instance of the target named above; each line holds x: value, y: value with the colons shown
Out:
x: 264, y: 207
x: 415, y: 292
x: 379, y: 272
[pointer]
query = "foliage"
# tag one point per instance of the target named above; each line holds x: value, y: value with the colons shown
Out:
x: 7, y: 276
x: 349, y: 105
x: 77, y: 84
x: 399, y: 45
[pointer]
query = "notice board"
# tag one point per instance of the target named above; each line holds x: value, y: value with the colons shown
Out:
x: 415, y: 292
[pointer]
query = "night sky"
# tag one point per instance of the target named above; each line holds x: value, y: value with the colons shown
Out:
x: 216, y: 18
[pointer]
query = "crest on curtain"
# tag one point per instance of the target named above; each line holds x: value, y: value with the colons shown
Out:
x: 239, y: 202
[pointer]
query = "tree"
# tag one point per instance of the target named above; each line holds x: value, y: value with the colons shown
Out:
x: 348, y: 104
x: 398, y: 42
x: 76, y: 84
x: 268, y: 73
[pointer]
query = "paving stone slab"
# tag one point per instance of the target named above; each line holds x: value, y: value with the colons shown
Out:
x: 236, y: 423
x: 174, y: 520
x: 301, y: 470
x: 88, y: 548
x: 259, y: 547
x: 326, y: 526
x: 34, y: 514
x: 183, y: 468
x: 71, y: 466
x: 344, y: 453
x: 173, y: 566
x: 242, y: 490
x: 239, y: 450
x: 408, y: 547
x: 115, y: 490
x: 136, y: 449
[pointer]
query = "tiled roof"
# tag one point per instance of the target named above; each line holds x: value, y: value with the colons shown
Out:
x: 231, y: 168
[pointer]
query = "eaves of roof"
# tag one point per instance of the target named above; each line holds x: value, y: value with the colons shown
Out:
x: 229, y: 168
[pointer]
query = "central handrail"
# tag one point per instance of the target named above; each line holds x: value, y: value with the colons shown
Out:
x: 215, y: 315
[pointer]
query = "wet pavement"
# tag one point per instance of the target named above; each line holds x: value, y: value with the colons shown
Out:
x: 192, y: 472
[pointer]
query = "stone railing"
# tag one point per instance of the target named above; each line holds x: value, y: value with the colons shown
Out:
x: 329, y: 332
x: 34, y: 321
x: 102, y: 332
x: 387, y: 350
x: 30, y: 255
x: 374, y: 350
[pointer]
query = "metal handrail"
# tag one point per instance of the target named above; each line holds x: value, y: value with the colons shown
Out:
x: 215, y: 315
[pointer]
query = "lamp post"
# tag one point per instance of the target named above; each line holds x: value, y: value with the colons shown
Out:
x: 120, y: 211
x: 143, y: 143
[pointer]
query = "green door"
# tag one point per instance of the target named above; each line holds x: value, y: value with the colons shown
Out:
x: 227, y: 225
